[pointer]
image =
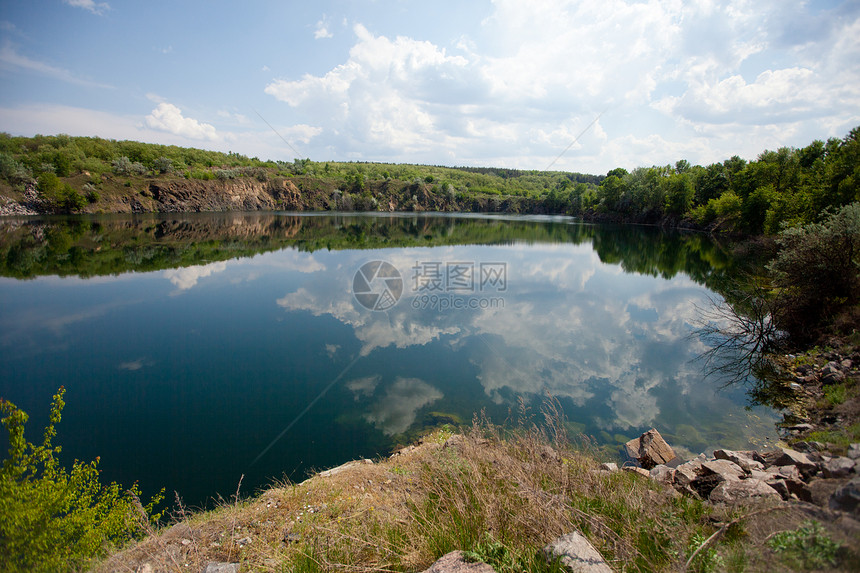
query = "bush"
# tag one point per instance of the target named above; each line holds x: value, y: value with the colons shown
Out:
x: 163, y: 165
x: 124, y: 166
x: 52, y: 519
x: 817, y: 272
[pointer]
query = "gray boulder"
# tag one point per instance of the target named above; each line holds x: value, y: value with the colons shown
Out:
x: 650, y: 449
x: 743, y: 459
x: 455, y: 562
x: 577, y: 554
x: 725, y: 469
x: 213, y: 567
x: 734, y: 491
x: 847, y: 498
x: 838, y: 467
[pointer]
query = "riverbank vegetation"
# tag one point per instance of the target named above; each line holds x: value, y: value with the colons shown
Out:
x: 785, y: 187
x: 500, y: 495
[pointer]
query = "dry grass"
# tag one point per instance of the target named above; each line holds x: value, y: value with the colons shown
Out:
x: 500, y: 496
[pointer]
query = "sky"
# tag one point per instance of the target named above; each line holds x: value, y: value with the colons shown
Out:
x: 585, y: 86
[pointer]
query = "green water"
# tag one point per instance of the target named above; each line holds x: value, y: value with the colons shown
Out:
x: 196, y: 349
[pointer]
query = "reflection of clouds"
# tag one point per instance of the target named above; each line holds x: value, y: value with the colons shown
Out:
x: 331, y: 349
x: 571, y: 326
x: 395, y: 327
x: 134, y: 365
x: 363, y: 386
x: 398, y: 408
x: 187, y: 277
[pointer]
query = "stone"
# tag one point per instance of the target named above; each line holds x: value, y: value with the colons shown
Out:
x: 789, y: 489
x: 847, y: 498
x: 577, y: 554
x: 640, y: 471
x: 743, y: 459
x: 783, y: 472
x: 832, y: 374
x: 609, y: 467
x: 344, y: 467
x: 797, y: 459
x: 734, y: 491
x: 854, y: 451
x: 838, y: 467
x: 799, y: 428
x: 688, y: 472
x: 663, y: 474
x: 725, y: 469
x: 455, y: 562
x: 650, y: 449
x: 213, y: 567
x: 823, y: 489
x: 145, y: 568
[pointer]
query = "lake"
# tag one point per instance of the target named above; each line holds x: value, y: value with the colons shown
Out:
x: 198, y: 348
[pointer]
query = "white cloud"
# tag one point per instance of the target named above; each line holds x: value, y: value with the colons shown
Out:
x: 167, y: 117
x: 322, y: 29
x: 97, y: 8
x: 698, y: 76
x: 10, y: 58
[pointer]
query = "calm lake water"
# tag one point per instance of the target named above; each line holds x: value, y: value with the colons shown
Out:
x: 199, y: 348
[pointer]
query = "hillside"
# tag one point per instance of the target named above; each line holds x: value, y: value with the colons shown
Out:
x: 786, y: 187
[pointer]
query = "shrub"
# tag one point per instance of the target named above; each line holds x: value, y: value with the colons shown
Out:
x: 163, y: 165
x: 817, y: 271
x: 124, y: 166
x: 225, y: 174
x: 52, y: 519
x: 807, y: 547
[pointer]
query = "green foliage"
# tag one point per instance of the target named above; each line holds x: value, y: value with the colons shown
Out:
x: 52, y: 519
x: 817, y: 271
x: 163, y: 165
x: 125, y: 166
x: 807, y: 547
x: 706, y: 561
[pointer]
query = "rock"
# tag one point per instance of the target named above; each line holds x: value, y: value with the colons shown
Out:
x: 687, y: 473
x: 809, y: 447
x: 822, y: 489
x: 847, y: 498
x: 743, y: 459
x: 783, y: 472
x: 832, y: 374
x: 145, y: 568
x: 650, y: 449
x: 733, y: 491
x: 854, y: 451
x: 725, y: 469
x: 577, y: 554
x: 213, y: 567
x: 797, y: 459
x: 640, y: 471
x: 838, y: 467
x: 609, y: 467
x: 346, y: 466
x: 663, y: 474
x: 455, y: 562
x: 797, y: 428
x: 789, y: 488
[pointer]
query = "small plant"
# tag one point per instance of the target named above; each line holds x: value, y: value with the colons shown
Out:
x: 836, y: 394
x: 52, y: 519
x: 707, y: 560
x: 807, y: 547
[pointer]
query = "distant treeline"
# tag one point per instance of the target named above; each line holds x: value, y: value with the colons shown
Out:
x: 780, y: 188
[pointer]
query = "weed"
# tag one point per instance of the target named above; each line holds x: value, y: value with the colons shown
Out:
x: 807, y: 547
